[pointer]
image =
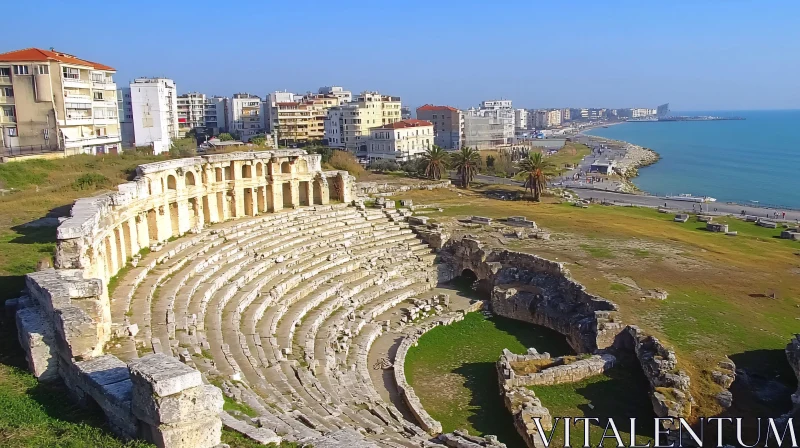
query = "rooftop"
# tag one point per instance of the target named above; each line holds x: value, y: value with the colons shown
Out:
x: 39, y: 55
x: 411, y: 123
x: 432, y: 107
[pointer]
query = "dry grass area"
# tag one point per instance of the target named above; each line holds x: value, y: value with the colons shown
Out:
x: 720, y: 288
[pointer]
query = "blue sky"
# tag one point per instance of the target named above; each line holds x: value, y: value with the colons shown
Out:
x: 697, y: 55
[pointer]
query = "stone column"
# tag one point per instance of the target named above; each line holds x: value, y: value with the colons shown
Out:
x: 133, y: 231
x: 239, y: 199
x: 111, y: 255
x: 254, y: 200
x: 277, y: 195
x: 295, y: 192
x: 122, y: 251
x: 163, y: 223
x: 324, y: 191
x: 183, y: 216
x: 142, y: 231
x: 175, y: 408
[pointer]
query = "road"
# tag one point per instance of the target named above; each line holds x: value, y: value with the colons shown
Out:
x: 792, y: 216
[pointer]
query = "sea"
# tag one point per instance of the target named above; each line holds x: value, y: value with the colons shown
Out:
x: 755, y: 161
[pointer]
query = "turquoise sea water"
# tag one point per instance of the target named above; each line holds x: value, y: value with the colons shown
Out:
x: 757, y: 159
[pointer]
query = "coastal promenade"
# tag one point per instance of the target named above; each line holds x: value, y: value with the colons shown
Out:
x: 719, y: 208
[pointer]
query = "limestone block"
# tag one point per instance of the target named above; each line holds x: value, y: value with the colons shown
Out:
x: 194, y: 403
x: 77, y: 331
x: 161, y: 375
x: 35, y: 335
x: 198, y: 433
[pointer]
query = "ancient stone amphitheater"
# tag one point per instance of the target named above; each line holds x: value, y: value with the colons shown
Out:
x: 260, y: 276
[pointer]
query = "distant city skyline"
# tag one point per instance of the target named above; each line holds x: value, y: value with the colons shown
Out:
x: 694, y: 55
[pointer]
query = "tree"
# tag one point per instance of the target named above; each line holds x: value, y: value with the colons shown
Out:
x: 225, y: 137
x: 343, y: 160
x: 490, y: 162
x: 466, y: 162
x: 258, y: 140
x: 536, y: 168
x: 383, y: 165
x: 435, y: 162
x: 183, y: 147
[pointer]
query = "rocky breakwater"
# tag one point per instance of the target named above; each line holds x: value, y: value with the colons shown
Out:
x: 669, y: 386
x: 536, y: 290
x: 516, y: 372
x: 635, y: 157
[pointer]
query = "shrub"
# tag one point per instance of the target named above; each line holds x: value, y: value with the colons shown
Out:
x: 91, y: 181
x: 343, y: 160
x: 225, y: 137
x: 324, y: 151
x: 383, y: 165
x: 414, y: 167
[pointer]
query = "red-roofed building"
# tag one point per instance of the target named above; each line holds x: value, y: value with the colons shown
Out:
x: 53, y: 101
x: 448, y: 124
x: 400, y: 141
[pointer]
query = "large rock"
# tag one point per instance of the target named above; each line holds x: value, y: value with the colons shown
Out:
x: 161, y: 375
x: 36, y: 338
x: 198, y: 433
x: 196, y: 402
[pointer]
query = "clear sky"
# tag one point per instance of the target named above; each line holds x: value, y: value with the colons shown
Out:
x: 695, y: 54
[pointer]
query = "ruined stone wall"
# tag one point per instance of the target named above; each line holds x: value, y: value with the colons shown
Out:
x: 64, y: 317
x: 533, y: 289
x: 793, y: 356
x: 363, y: 189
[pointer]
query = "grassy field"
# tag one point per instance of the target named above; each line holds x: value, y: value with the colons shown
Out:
x: 31, y: 414
x: 453, y: 371
x: 720, y: 288
x: 571, y: 154
x: 602, y: 396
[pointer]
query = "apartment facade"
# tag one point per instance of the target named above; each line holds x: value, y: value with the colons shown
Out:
x: 500, y: 110
x: 448, y: 125
x: 155, y: 113
x: 191, y: 112
x: 125, y: 114
x: 54, y: 101
x: 246, y: 116
x: 344, y: 96
x: 482, y: 132
x: 302, y: 120
x: 400, y: 141
x: 521, y: 119
x: 215, y: 112
x: 565, y: 115
x: 348, y: 125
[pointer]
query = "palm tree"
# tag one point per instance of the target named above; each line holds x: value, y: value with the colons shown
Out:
x: 537, y: 169
x: 466, y: 163
x: 435, y: 162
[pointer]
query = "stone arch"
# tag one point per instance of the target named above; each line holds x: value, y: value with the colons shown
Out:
x: 172, y: 183
x: 190, y: 180
x: 152, y: 224
x: 301, y: 166
x: 286, y: 168
x: 271, y: 167
x: 317, y: 191
x: 336, y: 188
x: 259, y: 169
x: 218, y: 174
x: 247, y: 171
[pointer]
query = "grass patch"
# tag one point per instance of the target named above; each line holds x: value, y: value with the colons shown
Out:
x: 91, y: 181
x: 603, y: 393
x: 237, y: 440
x: 453, y: 371
x: 618, y: 287
x: 233, y: 405
x: 570, y: 154
x: 598, y: 252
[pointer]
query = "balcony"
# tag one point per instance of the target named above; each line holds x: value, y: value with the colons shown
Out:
x: 104, y: 85
x: 77, y: 120
x: 77, y: 98
x: 8, y: 120
x: 5, y: 80
x: 6, y: 100
x: 75, y: 82
x: 105, y: 120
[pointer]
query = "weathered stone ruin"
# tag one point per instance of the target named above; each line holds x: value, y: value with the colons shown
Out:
x: 793, y: 356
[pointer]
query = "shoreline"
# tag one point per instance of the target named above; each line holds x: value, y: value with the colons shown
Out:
x: 644, y: 157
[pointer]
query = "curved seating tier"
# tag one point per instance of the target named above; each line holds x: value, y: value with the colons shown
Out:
x: 282, y: 309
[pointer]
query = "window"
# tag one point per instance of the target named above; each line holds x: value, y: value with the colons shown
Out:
x: 71, y: 73
x: 7, y: 91
x: 98, y: 96
x: 7, y: 111
x: 46, y: 133
x: 20, y: 69
x: 5, y: 71
x: 42, y: 69
x: 12, y: 132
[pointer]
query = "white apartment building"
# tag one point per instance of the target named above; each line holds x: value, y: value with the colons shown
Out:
x: 216, y: 115
x: 246, y: 116
x: 565, y: 115
x: 155, y: 112
x: 191, y: 112
x: 400, y: 141
x: 54, y: 101
x: 544, y: 118
x: 345, y: 96
x: 521, y: 119
x: 501, y: 110
x: 301, y: 120
x: 348, y: 125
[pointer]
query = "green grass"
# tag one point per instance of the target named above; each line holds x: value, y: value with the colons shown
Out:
x: 453, y: 371
x: 236, y: 440
x: 605, y: 394
x: 598, y: 252
x: 618, y: 287
x: 233, y: 405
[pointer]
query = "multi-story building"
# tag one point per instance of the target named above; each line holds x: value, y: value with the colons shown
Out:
x: 348, y: 125
x: 216, y: 115
x: 125, y: 114
x: 155, y: 112
x: 301, y: 120
x: 56, y: 101
x: 641, y: 112
x: 553, y: 118
x: 344, y: 95
x: 521, y: 119
x: 539, y: 117
x: 500, y: 110
x: 400, y: 141
x: 565, y: 115
x: 544, y: 118
x: 191, y: 113
x: 448, y: 124
x: 246, y: 116
x: 405, y: 112
x: 483, y: 132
